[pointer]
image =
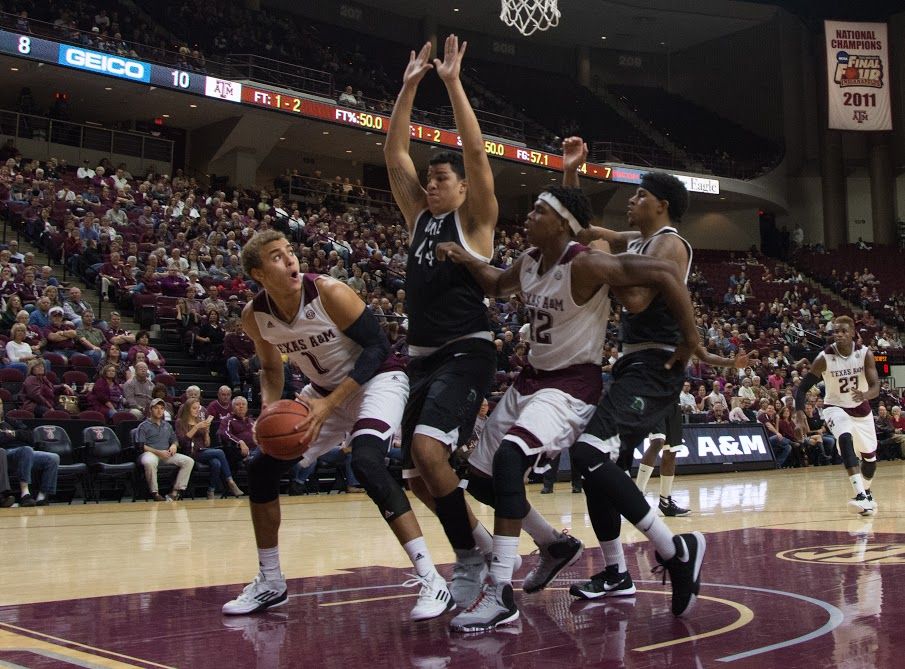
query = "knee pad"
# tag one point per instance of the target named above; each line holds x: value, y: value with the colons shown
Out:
x: 509, y: 467
x: 481, y: 488
x: 847, y: 451
x: 584, y: 456
x: 264, y: 474
x: 868, y: 468
x: 368, y: 455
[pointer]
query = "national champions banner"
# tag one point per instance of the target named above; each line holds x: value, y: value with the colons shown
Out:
x: 857, y: 60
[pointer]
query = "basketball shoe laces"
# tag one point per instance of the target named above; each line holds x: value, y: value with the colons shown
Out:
x: 427, y: 589
x: 546, y: 555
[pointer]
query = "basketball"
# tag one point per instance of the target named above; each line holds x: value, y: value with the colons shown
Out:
x: 275, y: 430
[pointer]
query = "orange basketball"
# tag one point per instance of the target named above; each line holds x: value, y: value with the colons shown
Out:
x: 275, y: 430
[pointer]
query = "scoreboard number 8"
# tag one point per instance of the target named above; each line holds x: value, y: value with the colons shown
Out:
x: 25, y: 45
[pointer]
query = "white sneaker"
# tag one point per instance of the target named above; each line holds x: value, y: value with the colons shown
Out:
x: 258, y: 595
x: 469, y: 573
x: 494, y: 606
x: 434, y: 598
x: 862, y: 504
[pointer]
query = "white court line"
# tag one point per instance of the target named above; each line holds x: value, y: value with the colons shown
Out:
x: 836, y: 618
x: 836, y: 615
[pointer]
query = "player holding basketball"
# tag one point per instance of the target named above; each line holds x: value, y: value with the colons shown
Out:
x: 565, y: 287
x: 452, y: 353
x: 357, y: 392
x: 850, y: 380
x: 647, y: 381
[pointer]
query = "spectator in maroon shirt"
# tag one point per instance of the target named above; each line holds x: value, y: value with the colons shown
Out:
x: 237, y: 429
x: 239, y: 352
x: 222, y: 406
x: 174, y: 284
x: 61, y: 335
x: 38, y: 394
x: 106, y: 395
x: 142, y: 344
x: 116, y: 334
x: 28, y: 290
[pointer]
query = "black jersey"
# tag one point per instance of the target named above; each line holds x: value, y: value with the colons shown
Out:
x: 656, y: 323
x: 442, y: 299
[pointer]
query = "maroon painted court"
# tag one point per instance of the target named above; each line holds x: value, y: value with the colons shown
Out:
x: 772, y: 598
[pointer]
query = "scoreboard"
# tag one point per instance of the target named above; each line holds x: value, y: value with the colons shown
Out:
x: 141, y: 72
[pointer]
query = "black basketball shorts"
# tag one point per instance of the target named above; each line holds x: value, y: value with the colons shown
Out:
x: 641, y: 397
x: 446, y: 389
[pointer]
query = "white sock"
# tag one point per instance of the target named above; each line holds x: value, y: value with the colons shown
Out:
x: 613, y: 554
x: 857, y: 482
x: 482, y: 538
x: 41, y: 495
x: 504, y: 551
x: 644, y: 472
x: 269, y: 561
x: 666, y: 485
x: 658, y: 533
x: 866, y: 480
x: 420, y: 556
x: 539, y: 529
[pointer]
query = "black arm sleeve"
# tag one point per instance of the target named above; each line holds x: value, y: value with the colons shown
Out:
x: 808, y: 382
x: 375, y: 347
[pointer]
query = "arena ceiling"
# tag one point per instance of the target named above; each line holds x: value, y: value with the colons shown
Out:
x: 657, y: 26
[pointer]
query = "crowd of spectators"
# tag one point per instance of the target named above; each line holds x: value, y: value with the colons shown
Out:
x: 150, y: 238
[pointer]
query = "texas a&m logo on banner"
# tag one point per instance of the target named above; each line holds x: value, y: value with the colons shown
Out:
x: 857, y: 59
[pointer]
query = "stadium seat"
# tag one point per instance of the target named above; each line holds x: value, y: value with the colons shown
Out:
x: 53, y: 439
x: 107, y: 461
x: 75, y: 378
x: 20, y: 414
x: 95, y: 416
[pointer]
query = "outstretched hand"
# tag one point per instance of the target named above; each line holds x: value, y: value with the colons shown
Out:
x: 418, y: 66
x: 448, y: 69
x: 574, y: 153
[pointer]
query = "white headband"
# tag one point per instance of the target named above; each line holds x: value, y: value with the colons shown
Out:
x: 560, y: 209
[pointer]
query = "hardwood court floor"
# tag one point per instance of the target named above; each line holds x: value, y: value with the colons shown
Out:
x: 791, y: 579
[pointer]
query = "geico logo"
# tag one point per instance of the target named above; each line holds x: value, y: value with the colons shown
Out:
x: 728, y: 445
x: 103, y: 63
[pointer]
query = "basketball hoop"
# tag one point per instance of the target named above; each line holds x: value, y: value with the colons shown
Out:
x: 529, y: 15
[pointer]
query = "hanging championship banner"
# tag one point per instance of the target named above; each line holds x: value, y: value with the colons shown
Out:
x: 857, y: 60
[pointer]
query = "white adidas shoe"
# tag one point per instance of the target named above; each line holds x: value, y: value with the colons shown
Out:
x: 258, y: 595
x: 433, y: 600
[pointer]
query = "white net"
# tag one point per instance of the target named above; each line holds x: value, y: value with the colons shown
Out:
x: 530, y: 15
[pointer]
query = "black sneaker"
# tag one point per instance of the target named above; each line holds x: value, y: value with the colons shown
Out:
x: 554, y: 557
x: 576, y: 489
x: 608, y: 583
x: 546, y: 491
x: 669, y: 507
x: 7, y: 501
x: 27, y: 500
x: 684, y: 570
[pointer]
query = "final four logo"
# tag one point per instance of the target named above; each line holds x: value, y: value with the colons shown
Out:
x: 855, y: 70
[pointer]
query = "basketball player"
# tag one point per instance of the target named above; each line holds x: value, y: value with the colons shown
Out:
x: 565, y: 287
x: 645, y: 390
x: 357, y: 393
x: 850, y: 381
x: 453, y: 358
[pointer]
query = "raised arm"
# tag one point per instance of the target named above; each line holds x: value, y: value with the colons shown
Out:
x: 493, y: 281
x: 271, y: 361
x: 481, y: 208
x: 407, y: 191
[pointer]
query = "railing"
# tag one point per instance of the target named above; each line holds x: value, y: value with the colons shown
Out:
x: 655, y: 157
x: 279, y: 73
x: 86, y: 137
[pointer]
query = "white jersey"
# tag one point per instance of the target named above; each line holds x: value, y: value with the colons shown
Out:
x: 561, y: 332
x: 310, y: 339
x: 843, y: 375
